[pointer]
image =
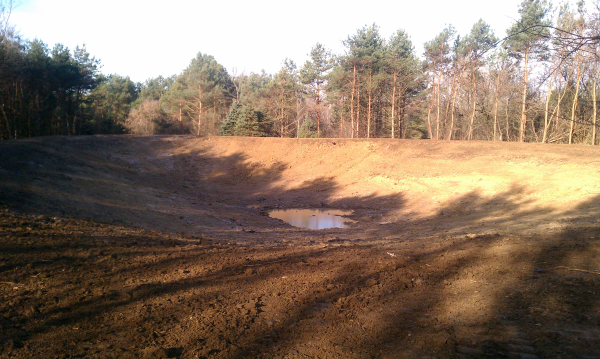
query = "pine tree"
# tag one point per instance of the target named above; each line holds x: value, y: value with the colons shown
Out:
x: 480, y: 39
x: 228, y: 126
x: 281, y: 93
x: 308, y: 129
x: 402, y: 65
x: 527, y: 39
x: 364, y: 52
x: 252, y: 123
x: 203, y: 88
x: 437, y: 54
x: 314, y: 75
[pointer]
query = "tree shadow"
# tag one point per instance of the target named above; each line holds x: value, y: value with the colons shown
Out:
x: 485, y: 276
x: 155, y: 184
x: 471, y: 296
x: 502, y: 295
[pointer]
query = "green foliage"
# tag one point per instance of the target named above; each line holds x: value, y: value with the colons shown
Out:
x: 155, y: 88
x: 110, y: 102
x: 314, y: 71
x: 281, y: 98
x: 400, y: 59
x: 530, y: 31
x: 364, y: 47
x: 252, y: 123
x: 308, y: 129
x: 204, y: 90
x: 228, y: 126
x: 43, y: 91
x: 374, y: 83
x: 377, y: 88
x: 245, y: 121
x: 314, y: 75
x: 480, y: 39
x: 437, y: 50
x: 400, y: 47
x: 254, y: 89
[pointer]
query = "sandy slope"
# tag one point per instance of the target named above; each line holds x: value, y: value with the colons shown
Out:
x: 159, y: 246
x: 153, y: 182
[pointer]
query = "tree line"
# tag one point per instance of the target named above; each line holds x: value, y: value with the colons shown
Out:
x: 536, y: 83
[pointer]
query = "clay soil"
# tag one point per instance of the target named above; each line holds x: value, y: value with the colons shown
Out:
x: 154, y: 247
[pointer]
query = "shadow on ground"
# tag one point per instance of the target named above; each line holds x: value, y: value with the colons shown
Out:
x: 524, y: 286
x: 102, y: 290
x: 146, y: 182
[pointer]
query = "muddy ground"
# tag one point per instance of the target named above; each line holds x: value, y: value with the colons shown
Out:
x: 160, y: 247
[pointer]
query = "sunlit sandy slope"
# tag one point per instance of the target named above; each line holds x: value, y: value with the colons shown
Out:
x: 197, y: 184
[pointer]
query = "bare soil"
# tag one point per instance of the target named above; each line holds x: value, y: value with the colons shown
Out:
x: 161, y: 247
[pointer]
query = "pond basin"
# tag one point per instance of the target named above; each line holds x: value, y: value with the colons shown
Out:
x: 321, y: 218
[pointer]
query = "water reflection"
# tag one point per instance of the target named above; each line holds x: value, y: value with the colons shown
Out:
x: 313, y: 218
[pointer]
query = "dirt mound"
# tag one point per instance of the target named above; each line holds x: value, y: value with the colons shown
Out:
x: 121, y: 246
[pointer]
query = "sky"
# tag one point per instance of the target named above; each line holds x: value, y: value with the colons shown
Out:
x: 143, y: 39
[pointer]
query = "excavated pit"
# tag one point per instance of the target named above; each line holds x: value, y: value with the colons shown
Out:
x: 162, y: 246
x: 209, y: 185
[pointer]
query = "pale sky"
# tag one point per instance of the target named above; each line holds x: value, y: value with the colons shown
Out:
x: 145, y: 39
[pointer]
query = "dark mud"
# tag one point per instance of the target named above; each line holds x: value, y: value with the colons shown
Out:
x: 129, y: 247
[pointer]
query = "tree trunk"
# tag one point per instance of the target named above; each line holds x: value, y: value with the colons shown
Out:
x: 199, y: 109
x: 39, y: 117
x: 595, y: 106
x: 453, y: 94
x: 75, y: 114
x: 297, y: 115
x: 318, y: 111
x: 556, y: 111
x: 432, y: 103
x: 394, y: 104
x: 67, y: 125
x: 574, y: 107
x: 452, y: 117
x: 358, y: 112
x: 470, y: 137
x: 7, y: 123
x: 214, y: 121
x: 369, y: 107
x: 507, y: 123
x: 437, y: 132
x: 342, y: 117
x: 180, y: 119
x: 524, y: 106
x: 401, y: 126
x: 451, y: 108
x: 496, y: 103
x: 429, y: 118
x: 352, y: 101
x: 281, y: 123
x: 546, y: 121
x: 534, y: 131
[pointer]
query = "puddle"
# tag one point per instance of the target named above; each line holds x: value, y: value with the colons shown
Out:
x: 313, y: 218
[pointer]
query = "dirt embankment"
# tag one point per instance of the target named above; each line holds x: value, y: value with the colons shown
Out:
x: 159, y: 247
x: 206, y: 184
